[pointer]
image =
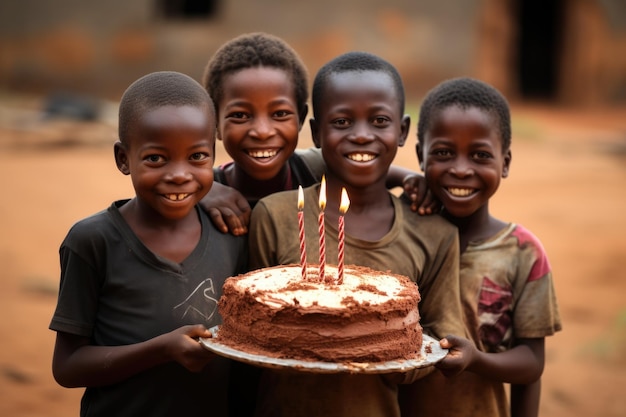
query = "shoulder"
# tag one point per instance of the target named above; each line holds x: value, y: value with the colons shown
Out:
x: 89, y: 227
x: 525, y: 237
x: 312, y: 160
x: 532, y: 252
x: 310, y: 155
x: 279, y: 199
x: 429, y: 223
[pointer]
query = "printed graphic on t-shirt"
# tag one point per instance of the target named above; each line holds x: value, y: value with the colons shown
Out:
x: 201, y: 305
x: 494, y: 312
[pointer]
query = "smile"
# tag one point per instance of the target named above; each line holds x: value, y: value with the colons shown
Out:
x: 176, y: 197
x: 460, y: 192
x: 361, y: 157
x: 263, y: 153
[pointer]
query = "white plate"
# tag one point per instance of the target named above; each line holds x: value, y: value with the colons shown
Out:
x: 431, y: 353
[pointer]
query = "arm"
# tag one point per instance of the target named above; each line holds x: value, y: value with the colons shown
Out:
x: 525, y: 399
x: 77, y: 363
x: 228, y: 209
x: 522, y: 364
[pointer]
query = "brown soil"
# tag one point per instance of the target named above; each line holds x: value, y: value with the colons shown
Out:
x: 566, y: 185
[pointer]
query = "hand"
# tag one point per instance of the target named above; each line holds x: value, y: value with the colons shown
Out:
x: 183, y: 347
x: 228, y: 209
x: 461, y: 353
x: 422, y: 200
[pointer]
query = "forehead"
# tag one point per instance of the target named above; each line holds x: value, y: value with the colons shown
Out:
x: 360, y: 86
x: 456, y: 121
x: 249, y: 81
x: 153, y: 121
x: 457, y: 116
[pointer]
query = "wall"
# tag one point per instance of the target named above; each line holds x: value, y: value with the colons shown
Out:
x: 100, y: 47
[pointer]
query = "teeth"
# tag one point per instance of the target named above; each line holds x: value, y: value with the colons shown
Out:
x: 176, y: 197
x: 263, y: 153
x: 361, y: 157
x: 460, y: 192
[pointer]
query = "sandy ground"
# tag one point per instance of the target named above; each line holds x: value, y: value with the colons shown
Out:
x: 566, y: 184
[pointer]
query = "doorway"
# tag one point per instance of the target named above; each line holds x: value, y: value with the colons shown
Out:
x: 540, y: 24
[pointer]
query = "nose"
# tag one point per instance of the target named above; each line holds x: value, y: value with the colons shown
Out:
x: 179, y: 173
x: 462, y: 168
x: 361, y: 133
x: 262, y: 128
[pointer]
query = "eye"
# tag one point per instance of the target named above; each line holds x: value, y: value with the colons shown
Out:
x: 381, y: 121
x: 238, y: 116
x: 340, y: 122
x: 199, y: 156
x: 482, y: 155
x: 441, y: 153
x: 282, y: 114
x: 154, y: 159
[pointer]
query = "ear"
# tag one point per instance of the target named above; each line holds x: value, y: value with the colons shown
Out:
x: 420, y: 155
x: 302, y: 116
x: 121, y: 157
x: 405, y: 125
x: 506, y: 164
x: 315, y: 133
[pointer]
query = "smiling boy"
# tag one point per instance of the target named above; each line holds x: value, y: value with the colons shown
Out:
x: 359, y: 123
x: 140, y: 281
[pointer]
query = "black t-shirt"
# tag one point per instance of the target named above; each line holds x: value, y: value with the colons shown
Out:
x: 115, y: 291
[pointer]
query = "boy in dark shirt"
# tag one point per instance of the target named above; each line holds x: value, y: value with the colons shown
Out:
x: 140, y: 281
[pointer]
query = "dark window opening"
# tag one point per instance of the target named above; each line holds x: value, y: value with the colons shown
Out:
x: 187, y: 9
x: 540, y: 24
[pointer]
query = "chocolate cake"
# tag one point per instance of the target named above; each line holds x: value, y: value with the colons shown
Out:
x: 371, y: 317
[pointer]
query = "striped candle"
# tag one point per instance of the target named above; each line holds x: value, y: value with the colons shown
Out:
x: 301, y: 231
x: 322, y: 232
x: 343, y: 208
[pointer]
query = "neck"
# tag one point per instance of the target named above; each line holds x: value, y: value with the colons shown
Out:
x: 479, y: 225
x: 361, y: 198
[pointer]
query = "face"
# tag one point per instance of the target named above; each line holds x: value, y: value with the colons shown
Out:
x: 169, y: 156
x: 463, y: 160
x: 259, y: 120
x: 359, y: 126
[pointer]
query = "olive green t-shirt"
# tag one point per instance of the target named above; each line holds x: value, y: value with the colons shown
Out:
x: 425, y: 249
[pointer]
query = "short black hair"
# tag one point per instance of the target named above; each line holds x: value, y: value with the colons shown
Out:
x: 358, y: 62
x: 254, y: 50
x: 466, y: 93
x: 158, y: 89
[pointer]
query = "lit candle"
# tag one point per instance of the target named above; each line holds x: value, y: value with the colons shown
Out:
x: 343, y: 208
x: 322, y: 202
x: 301, y: 234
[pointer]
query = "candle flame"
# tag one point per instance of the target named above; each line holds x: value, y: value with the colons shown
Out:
x: 322, y: 200
x: 300, y: 198
x: 345, y: 201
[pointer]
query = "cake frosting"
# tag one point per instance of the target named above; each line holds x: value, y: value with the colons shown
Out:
x: 371, y: 317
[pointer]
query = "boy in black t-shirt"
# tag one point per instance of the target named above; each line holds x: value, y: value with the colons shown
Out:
x: 140, y: 281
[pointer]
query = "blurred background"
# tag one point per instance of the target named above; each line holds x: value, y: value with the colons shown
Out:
x: 565, y: 51
x: 562, y: 64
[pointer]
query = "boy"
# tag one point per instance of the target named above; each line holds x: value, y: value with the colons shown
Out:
x: 359, y: 122
x: 464, y: 137
x: 140, y: 281
x: 259, y: 86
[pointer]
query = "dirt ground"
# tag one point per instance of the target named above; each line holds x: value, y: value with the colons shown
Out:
x: 566, y: 185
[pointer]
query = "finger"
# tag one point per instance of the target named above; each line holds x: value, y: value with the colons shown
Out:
x: 235, y: 226
x: 218, y: 220
x: 201, y: 331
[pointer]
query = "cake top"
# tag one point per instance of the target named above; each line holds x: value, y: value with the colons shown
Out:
x: 283, y: 286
